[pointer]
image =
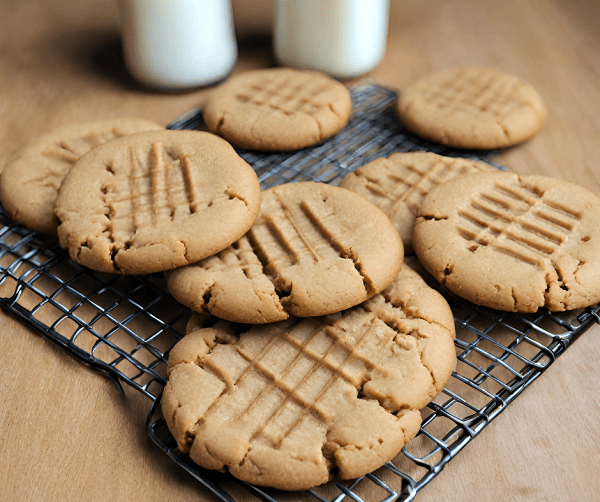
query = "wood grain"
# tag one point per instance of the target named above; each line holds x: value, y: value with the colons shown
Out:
x: 67, y: 434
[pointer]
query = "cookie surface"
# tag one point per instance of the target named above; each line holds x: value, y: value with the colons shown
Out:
x: 30, y: 181
x: 398, y: 184
x: 512, y: 242
x: 469, y: 107
x: 157, y: 200
x: 278, y: 109
x: 288, y: 404
x: 314, y: 249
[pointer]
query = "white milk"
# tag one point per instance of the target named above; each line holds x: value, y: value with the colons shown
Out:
x: 178, y: 44
x: 344, y: 38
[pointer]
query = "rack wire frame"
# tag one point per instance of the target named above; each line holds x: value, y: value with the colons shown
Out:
x: 124, y: 326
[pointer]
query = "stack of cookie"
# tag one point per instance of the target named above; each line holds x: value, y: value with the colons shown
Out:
x: 340, y: 345
x: 312, y: 347
x: 343, y: 353
x: 498, y: 239
x: 289, y: 404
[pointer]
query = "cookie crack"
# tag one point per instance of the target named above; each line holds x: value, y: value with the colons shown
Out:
x: 429, y: 217
x: 113, y: 257
x: 390, y: 319
x: 406, y: 312
x: 233, y: 195
x: 514, y: 297
x: 360, y: 387
x: 367, y: 282
x: 561, y: 283
x: 185, y: 251
x: 414, y: 333
x: 107, y: 231
x: 189, y: 434
x: 446, y: 273
x: 246, y: 458
x: 579, y: 265
x: 207, y: 296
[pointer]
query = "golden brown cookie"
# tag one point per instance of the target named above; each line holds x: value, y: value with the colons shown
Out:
x: 397, y: 184
x: 512, y: 242
x: 469, y: 107
x: 29, y: 182
x: 278, y: 109
x: 314, y: 249
x: 293, y: 403
x: 157, y: 200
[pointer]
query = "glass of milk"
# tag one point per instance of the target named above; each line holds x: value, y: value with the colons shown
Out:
x: 344, y: 38
x: 178, y: 44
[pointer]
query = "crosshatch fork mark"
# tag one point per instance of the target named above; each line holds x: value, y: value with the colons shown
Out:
x: 333, y: 367
x: 291, y: 237
x: 285, y: 96
x: 516, y: 221
x: 477, y: 89
x: 408, y: 183
x: 415, y: 191
x: 410, y: 186
x: 62, y: 153
x: 67, y: 152
x: 143, y: 194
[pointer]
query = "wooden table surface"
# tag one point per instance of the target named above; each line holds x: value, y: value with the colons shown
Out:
x: 67, y: 434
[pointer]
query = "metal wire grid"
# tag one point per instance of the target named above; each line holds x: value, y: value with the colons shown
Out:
x: 120, y: 326
x: 124, y: 327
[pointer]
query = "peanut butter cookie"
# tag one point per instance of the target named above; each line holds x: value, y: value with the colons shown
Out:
x: 512, y: 242
x: 314, y: 249
x: 278, y: 109
x: 291, y: 403
x: 469, y: 107
x: 154, y: 201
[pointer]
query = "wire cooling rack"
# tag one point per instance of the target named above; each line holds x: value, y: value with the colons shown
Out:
x: 124, y: 327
